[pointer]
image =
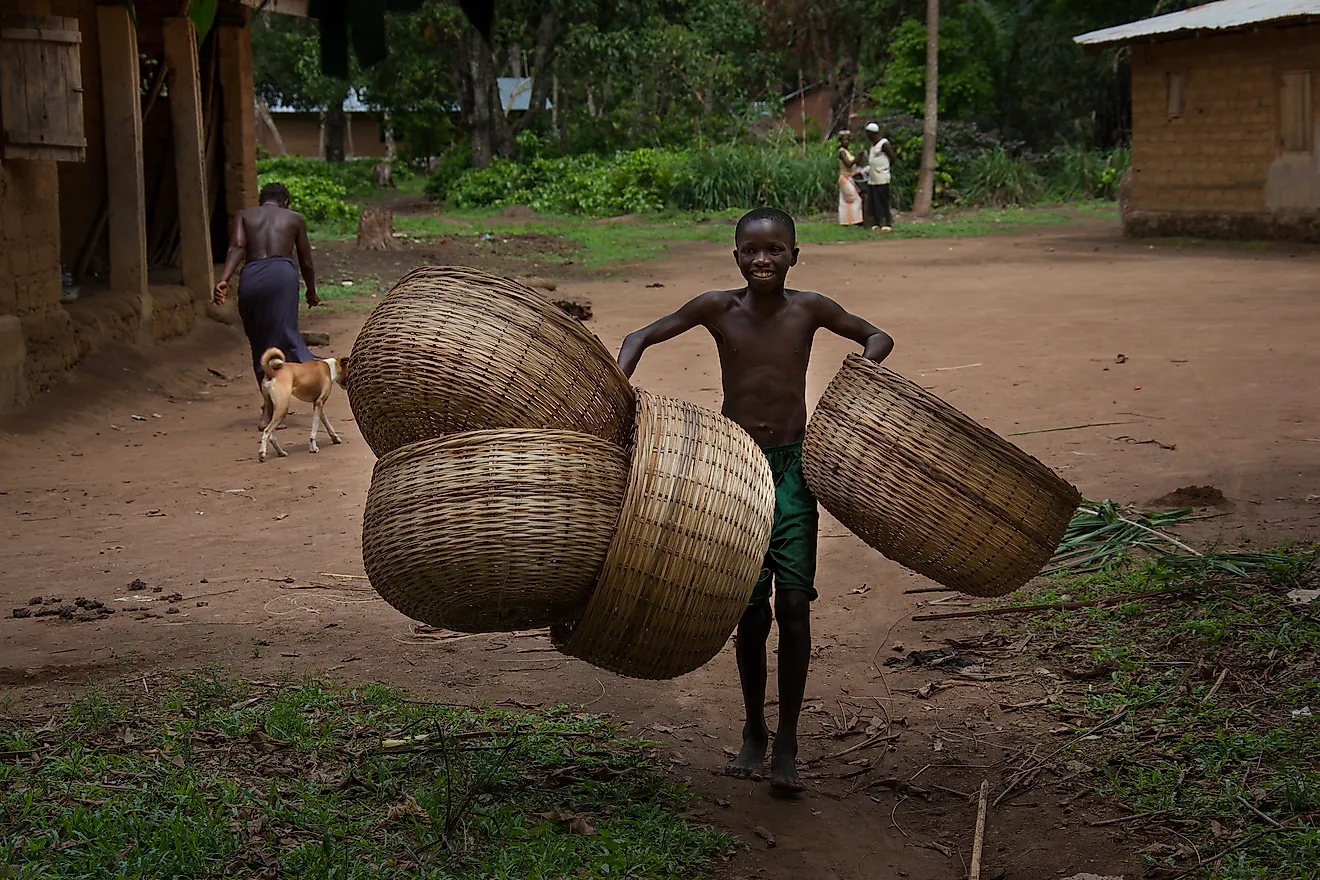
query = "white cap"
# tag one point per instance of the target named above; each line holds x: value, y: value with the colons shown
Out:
x: 873, y: 127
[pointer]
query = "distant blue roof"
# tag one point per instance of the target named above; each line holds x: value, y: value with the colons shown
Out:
x: 512, y: 88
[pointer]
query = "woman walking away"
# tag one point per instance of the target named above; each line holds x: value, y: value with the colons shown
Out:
x: 850, y: 200
x: 269, y: 236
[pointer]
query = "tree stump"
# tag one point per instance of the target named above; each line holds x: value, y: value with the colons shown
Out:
x: 1125, y: 194
x: 376, y: 229
x: 381, y: 174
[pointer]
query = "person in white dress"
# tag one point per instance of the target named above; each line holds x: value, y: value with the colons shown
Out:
x: 850, y: 200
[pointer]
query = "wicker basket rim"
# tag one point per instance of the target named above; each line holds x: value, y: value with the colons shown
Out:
x: 1043, y: 475
x: 466, y: 439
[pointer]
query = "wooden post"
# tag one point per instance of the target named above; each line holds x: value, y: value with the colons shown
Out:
x: 185, y: 93
x: 240, y: 118
x: 126, y: 178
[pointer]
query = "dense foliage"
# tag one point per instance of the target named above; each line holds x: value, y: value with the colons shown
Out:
x: 692, y: 72
x: 801, y: 180
x: 679, y: 103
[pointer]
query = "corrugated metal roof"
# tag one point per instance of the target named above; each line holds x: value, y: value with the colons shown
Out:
x: 1220, y: 16
x: 352, y: 104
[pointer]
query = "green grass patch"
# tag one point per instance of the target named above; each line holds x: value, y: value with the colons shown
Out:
x: 209, y: 776
x: 606, y: 245
x: 1213, y: 695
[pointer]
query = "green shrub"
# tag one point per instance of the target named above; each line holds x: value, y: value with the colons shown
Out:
x: 996, y: 179
x: 451, y: 166
x: 727, y: 178
x: 1076, y: 173
x: 320, y: 199
x: 627, y: 182
x: 354, y: 175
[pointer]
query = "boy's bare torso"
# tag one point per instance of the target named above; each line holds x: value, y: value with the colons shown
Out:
x: 270, y: 231
x: 764, y: 351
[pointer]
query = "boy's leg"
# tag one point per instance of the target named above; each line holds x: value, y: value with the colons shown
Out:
x: 753, y: 630
x: 793, y: 609
x: 794, y: 563
x: 886, y: 213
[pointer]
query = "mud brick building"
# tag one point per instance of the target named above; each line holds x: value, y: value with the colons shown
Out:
x: 1224, y: 120
x: 126, y: 146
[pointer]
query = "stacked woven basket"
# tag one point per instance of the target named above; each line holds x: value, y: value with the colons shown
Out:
x: 522, y: 483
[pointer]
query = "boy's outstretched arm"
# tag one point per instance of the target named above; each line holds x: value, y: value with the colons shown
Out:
x: 876, y: 343
x: 693, y: 314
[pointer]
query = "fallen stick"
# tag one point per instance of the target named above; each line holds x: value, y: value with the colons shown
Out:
x: 1052, y: 606
x: 962, y: 794
x: 1215, y: 688
x: 901, y: 787
x: 209, y: 595
x: 1268, y: 819
x: 346, y: 577
x: 865, y: 744
x: 978, y: 839
x: 927, y: 590
x: 1123, y: 819
x: 1023, y: 773
x: 1067, y: 428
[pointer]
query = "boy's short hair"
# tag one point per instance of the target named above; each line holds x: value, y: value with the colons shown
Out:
x: 774, y: 215
x: 275, y: 192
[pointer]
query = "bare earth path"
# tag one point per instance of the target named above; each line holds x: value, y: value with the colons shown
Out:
x: 1021, y: 333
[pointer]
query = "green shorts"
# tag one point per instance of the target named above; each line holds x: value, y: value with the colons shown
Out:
x: 791, y: 560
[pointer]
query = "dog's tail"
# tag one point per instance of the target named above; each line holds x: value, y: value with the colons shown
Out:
x: 271, y: 361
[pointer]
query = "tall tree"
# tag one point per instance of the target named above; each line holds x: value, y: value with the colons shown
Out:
x: 490, y: 131
x: 926, y: 179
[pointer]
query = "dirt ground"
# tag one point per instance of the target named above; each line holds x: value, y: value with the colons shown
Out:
x: 136, y: 480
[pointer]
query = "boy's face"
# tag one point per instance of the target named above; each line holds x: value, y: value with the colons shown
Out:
x: 765, y: 253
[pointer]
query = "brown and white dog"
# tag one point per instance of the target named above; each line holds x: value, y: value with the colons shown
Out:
x: 311, y: 383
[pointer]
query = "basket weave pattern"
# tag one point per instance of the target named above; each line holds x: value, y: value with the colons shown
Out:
x: 689, y: 545
x: 493, y: 530
x: 450, y: 350
x: 930, y: 488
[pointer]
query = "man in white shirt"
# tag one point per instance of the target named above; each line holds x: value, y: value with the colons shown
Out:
x: 878, y: 161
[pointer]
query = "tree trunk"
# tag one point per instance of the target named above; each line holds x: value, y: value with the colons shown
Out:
x: 334, y: 129
x: 388, y: 124
x: 376, y: 229
x: 478, y: 77
x: 547, y: 31
x: 263, y: 113
x: 926, y: 180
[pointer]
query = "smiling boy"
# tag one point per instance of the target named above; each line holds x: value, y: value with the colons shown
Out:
x: 764, y: 332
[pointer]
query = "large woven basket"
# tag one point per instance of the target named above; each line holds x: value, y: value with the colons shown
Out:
x: 690, y: 542
x: 492, y: 531
x: 930, y: 488
x: 451, y: 350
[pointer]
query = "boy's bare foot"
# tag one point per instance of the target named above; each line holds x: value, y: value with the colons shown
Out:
x: 784, y: 779
x: 748, y: 764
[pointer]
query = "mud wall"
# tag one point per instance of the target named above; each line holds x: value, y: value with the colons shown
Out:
x: 1216, y: 166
